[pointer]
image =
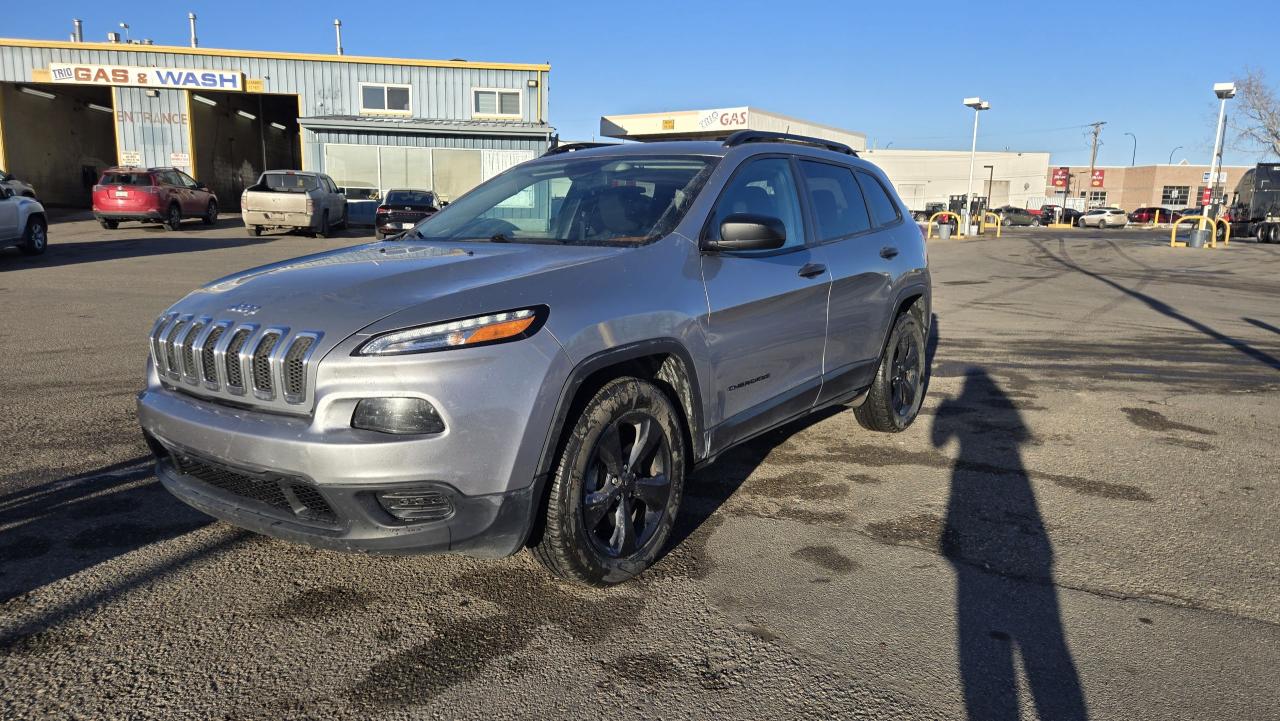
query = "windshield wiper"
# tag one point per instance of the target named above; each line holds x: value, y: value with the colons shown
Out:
x: 499, y: 238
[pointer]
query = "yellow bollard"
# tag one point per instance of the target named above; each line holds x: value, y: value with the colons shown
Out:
x: 929, y: 225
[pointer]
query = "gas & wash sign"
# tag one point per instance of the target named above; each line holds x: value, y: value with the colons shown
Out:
x: 177, y: 78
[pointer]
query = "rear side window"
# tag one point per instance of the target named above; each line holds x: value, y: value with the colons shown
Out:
x: 836, y: 201
x: 409, y: 197
x: 290, y: 183
x: 883, y: 210
x: 126, y: 179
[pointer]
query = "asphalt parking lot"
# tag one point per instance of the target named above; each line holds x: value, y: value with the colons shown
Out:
x: 1083, y: 522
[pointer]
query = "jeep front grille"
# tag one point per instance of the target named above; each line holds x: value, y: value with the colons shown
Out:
x: 238, y: 361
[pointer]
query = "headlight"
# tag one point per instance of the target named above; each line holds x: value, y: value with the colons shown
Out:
x: 476, y: 331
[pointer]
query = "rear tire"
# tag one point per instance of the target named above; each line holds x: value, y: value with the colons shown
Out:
x: 1273, y: 234
x: 109, y: 224
x: 379, y: 235
x: 625, y: 451
x: 894, y: 399
x: 173, y: 219
x: 254, y: 230
x: 211, y: 214
x: 35, y: 238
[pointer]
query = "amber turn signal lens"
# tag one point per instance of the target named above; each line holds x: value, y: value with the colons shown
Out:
x: 497, y: 331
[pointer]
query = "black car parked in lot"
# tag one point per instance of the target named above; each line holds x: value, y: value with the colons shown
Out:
x: 1069, y: 216
x: 401, y: 210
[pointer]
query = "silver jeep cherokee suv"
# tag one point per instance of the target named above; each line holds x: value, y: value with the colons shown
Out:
x: 545, y: 361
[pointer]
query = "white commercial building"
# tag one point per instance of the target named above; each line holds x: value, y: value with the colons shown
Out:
x: 921, y: 176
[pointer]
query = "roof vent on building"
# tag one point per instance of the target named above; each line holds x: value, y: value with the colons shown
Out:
x: 113, y: 37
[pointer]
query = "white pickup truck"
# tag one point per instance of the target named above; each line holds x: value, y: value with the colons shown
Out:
x: 294, y: 199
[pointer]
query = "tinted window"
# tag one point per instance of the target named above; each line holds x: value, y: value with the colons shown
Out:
x: 397, y: 98
x: 290, y: 182
x: 883, y: 210
x: 169, y: 177
x: 834, y: 198
x: 126, y: 178
x: 763, y: 187
x: 187, y: 180
x: 372, y: 97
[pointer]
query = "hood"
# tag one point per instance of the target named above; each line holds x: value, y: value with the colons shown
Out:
x: 342, y: 291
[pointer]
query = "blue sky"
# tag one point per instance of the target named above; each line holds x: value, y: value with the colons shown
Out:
x: 895, y: 71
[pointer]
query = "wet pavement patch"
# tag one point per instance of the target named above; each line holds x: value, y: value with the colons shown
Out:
x: 828, y: 557
x: 461, y: 649
x: 1155, y: 421
x: 322, y: 602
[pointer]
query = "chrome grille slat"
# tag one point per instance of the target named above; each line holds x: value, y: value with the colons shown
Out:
x: 263, y: 384
x: 188, y: 355
x: 271, y: 365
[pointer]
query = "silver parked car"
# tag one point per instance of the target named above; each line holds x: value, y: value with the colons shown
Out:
x: 20, y: 188
x: 544, y: 362
x: 1103, y: 218
x: 22, y: 222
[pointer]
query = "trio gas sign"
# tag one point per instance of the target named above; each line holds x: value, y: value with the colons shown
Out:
x: 177, y: 78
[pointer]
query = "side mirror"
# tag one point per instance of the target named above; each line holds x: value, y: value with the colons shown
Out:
x: 342, y: 190
x: 5, y: 192
x: 747, y: 231
x: 201, y: 186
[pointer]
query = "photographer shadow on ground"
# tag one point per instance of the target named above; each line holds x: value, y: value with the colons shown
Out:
x: 994, y: 537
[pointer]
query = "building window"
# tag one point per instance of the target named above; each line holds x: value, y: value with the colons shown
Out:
x: 495, y: 103
x: 1097, y: 198
x: 383, y: 99
x: 1175, y: 195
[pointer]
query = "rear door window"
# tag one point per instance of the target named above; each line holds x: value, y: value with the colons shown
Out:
x: 290, y: 183
x: 883, y: 210
x: 835, y: 200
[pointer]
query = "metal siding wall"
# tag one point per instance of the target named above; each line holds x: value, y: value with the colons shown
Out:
x: 151, y: 135
x: 327, y: 88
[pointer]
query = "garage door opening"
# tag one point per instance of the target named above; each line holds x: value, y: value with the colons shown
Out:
x: 58, y: 138
x: 238, y: 135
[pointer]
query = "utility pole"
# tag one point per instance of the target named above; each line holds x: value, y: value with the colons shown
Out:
x: 1093, y: 155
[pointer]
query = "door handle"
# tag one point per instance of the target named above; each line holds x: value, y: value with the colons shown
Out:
x: 888, y: 252
x: 812, y: 270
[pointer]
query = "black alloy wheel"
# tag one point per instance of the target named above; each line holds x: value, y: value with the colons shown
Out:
x: 627, y: 486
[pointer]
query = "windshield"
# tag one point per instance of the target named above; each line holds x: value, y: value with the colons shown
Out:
x: 608, y: 200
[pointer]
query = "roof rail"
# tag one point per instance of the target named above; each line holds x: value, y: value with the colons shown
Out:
x: 742, y: 137
x: 571, y: 147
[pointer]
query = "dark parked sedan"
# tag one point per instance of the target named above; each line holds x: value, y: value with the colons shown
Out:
x: 1067, y: 216
x: 401, y: 210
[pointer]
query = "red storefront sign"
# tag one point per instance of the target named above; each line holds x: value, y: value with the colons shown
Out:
x: 1060, y: 177
x: 1207, y: 196
x: 1099, y: 176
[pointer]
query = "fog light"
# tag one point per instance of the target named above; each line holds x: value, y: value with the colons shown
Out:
x: 416, y: 505
x: 402, y: 416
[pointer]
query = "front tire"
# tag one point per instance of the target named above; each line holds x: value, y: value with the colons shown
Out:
x: 35, y: 239
x: 617, y: 486
x: 894, y: 399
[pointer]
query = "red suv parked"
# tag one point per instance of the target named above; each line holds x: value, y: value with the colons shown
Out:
x: 152, y: 195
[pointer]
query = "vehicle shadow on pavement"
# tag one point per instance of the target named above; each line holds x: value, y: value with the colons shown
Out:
x: 62, y: 527
x: 995, y: 538
x: 709, y: 488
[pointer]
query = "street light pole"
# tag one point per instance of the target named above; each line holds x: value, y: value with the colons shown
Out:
x: 978, y: 105
x: 1171, y: 152
x: 1133, y: 159
x: 1224, y: 91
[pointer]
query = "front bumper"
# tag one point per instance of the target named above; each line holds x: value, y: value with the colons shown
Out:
x: 497, y: 417
x: 344, y: 518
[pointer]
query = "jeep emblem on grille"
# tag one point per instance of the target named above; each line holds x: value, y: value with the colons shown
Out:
x: 244, y: 308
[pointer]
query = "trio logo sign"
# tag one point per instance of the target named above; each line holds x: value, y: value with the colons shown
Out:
x: 177, y: 78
